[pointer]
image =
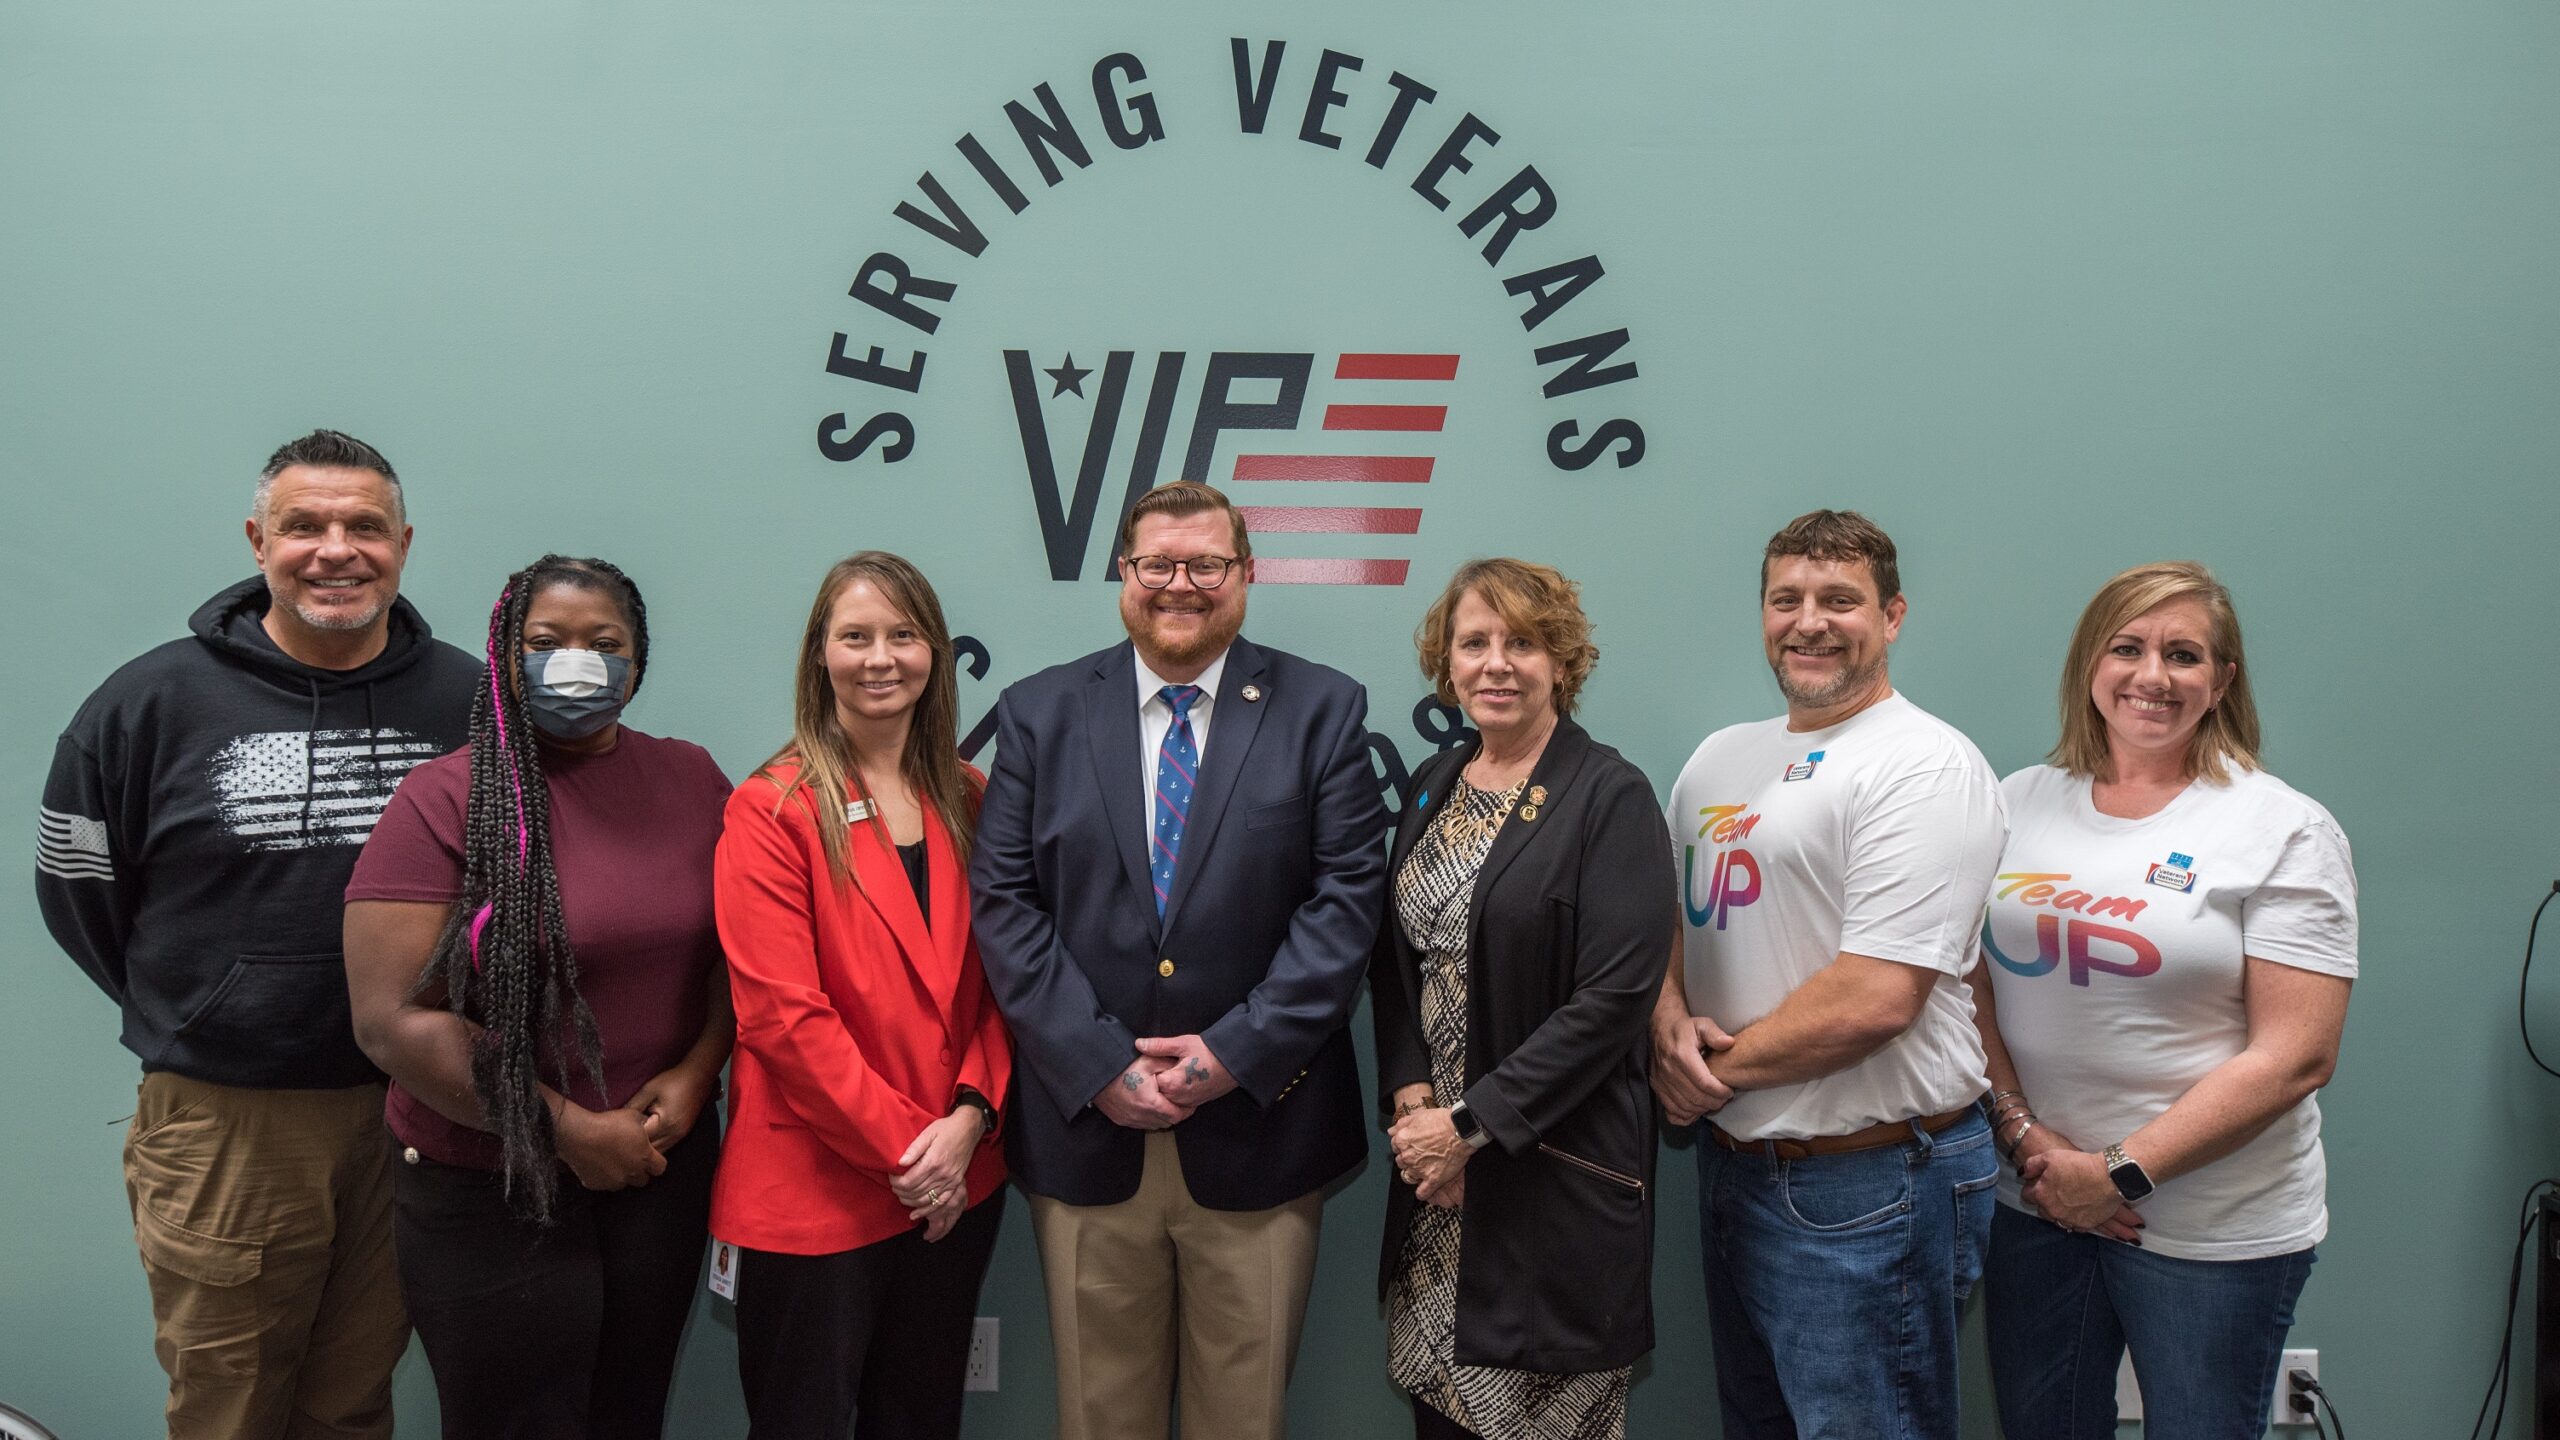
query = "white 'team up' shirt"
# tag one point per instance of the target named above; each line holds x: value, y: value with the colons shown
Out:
x: 2115, y: 951
x: 1876, y: 836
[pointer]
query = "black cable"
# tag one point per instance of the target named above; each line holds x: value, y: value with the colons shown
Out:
x: 2321, y: 1401
x: 2317, y: 1428
x: 2498, y: 1377
x: 2522, y: 981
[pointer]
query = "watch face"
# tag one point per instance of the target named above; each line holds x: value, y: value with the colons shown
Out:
x: 2130, y: 1180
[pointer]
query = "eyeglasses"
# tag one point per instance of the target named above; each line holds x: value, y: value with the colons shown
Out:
x: 1156, y: 571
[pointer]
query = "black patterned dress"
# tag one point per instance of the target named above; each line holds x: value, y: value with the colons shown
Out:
x: 1431, y: 894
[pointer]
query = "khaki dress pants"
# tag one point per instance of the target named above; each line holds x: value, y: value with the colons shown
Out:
x: 1159, y: 1294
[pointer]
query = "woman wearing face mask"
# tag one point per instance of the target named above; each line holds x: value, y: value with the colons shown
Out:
x: 531, y: 956
x: 2163, y: 981
x: 860, y: 1186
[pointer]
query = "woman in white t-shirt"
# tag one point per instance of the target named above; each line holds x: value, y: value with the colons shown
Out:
x: 2163, y: 980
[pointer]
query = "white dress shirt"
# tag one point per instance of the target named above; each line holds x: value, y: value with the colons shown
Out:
x: 1155, y: 721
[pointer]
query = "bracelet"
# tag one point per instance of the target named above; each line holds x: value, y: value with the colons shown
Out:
x: 1999, y: 1095
x: 2027, y: 1124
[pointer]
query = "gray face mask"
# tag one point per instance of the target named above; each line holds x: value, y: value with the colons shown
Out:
x: 572, y: 694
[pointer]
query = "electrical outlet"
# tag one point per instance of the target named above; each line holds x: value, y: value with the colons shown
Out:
x: 982, y: 1355
x: 2284, y: 1411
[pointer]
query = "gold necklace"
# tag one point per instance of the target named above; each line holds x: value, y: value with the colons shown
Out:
x: 1468, y: 833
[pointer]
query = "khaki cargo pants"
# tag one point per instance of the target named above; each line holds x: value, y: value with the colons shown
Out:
x: 264, y: 1220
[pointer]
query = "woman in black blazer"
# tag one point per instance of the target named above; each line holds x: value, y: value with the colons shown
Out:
x: 1532, y: 912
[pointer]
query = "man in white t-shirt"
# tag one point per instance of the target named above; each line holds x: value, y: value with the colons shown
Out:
x: 1834, y: 863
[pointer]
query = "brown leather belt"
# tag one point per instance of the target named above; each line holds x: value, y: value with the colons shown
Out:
x: 1873, y: 1137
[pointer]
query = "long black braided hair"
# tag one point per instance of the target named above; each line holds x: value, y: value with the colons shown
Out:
x: 504, y: 959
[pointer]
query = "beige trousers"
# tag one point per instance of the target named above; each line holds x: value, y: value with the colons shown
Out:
x: 1157, y: 1296
x: 264, y: 1220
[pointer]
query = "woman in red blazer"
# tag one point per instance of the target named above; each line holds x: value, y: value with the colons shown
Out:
x: 858, y: 1184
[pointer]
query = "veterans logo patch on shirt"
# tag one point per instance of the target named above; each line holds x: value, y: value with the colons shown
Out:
x: 1803, y: 769
x: 2178, y: 874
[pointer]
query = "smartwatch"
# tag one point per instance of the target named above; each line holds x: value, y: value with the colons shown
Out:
x: 2131, y: 1181
x: 969, y: 1095
x: 1470, y: 1129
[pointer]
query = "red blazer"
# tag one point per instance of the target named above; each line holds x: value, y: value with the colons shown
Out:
x: 857, y: 1025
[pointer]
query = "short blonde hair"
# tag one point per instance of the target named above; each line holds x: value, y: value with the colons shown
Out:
x: 2228, y: 734
x: 1534, y: 600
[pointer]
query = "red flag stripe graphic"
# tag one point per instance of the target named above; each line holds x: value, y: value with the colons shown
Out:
x: 1396, y: 367
x: 1307, y: 570
x: 1330, y: 519
x: 1385, y: 417
x: 1379, y: 469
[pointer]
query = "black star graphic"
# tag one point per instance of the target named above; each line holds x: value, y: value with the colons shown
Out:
x: 1070, y: 380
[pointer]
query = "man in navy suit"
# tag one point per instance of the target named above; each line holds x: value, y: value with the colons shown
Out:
x: 1177, y: 877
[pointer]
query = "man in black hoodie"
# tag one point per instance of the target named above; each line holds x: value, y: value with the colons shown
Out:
x: 203, y: 815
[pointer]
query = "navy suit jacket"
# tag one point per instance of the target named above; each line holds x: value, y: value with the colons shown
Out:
x: 1266, y: 933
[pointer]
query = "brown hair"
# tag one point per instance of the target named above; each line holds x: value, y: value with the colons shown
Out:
x: 1183, y: 497
x: 1534, y: 600
x: 1838, y: 536
x: 2228, y: 734
x: 818, y: 744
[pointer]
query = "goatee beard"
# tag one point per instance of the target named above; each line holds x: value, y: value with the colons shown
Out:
x: 319, y: 619
x: 1841, y: 687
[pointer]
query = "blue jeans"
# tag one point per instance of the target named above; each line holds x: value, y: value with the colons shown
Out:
x: 1833, y: 1283
x: 2207, y: 1335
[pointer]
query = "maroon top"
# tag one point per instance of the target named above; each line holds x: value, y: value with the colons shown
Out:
x: 632, y: 833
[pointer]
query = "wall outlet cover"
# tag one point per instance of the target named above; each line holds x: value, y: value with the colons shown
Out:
x: 2280, y: 1411
x: 983, y: 1355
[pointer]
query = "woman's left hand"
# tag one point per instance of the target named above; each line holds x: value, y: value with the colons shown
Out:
x: 2071, y: 1188
x: 933, y: 1179
x: 941, y: 1216
x: 671, y: 1102
x: 1430, y: 1156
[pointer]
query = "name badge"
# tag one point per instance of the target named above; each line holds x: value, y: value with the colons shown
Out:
x: 724, y: 1270
x: 2179, y: 874
x: 857, y: 811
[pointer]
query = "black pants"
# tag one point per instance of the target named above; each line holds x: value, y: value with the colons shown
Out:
x: 1430, y: 1424
x: 879, y: 1334
x: 558, y: 1333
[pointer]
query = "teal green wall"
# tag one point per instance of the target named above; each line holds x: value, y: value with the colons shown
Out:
x: 2049, y: 290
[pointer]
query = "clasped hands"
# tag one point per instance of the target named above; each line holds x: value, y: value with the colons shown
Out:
x: 1429, y: 1155
x: 624, y: 1148
x: 1171, y: 1077
x: 933, y: 1175
x: 1682, y: 1077
x: 2072, y: 1188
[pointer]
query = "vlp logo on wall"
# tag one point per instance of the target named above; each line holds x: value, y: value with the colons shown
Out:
x: 1298, y: 422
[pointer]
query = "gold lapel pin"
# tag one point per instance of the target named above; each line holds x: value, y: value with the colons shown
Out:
x: 1528, y: 813
x: 1251, y: 693
x: 1537, y: 794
